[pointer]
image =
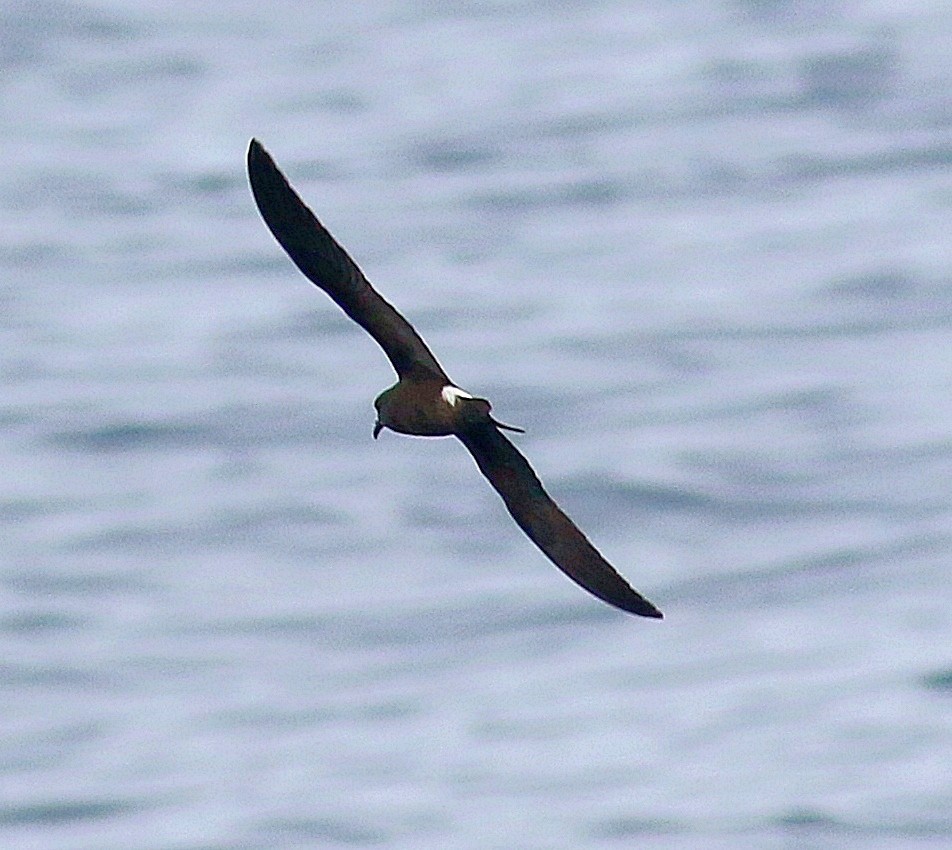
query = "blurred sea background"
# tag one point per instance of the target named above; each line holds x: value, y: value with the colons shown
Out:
x: 700, y: 250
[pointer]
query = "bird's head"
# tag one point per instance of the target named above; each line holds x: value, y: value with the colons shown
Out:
x: 382, y: 404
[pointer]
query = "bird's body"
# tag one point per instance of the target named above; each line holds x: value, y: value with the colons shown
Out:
x: 425, y: 402
x: 421, y: 408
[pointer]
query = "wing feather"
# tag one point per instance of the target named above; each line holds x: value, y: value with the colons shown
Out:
x: 324, y: 262
x: 544, y: 522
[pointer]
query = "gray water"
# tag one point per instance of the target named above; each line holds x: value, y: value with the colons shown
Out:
x: 699, y: 250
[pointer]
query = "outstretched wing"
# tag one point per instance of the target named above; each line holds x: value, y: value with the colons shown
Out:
x: 544, y: 522
x: 324, y: 262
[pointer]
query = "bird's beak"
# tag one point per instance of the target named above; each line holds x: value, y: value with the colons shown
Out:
x: 378, y: 427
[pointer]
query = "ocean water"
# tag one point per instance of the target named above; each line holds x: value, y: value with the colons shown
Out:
x: 700, y: 251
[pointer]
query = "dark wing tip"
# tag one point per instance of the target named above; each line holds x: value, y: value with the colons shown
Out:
x: 262, y: 167
x: 255, y: 152
x: 643, y: 608
x: 610, y: 587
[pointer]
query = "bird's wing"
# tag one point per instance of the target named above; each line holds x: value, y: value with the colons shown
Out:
x: 327, y: 264
x: 544, y: 522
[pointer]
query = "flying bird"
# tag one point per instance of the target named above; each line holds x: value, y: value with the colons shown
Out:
x: 425, y: 402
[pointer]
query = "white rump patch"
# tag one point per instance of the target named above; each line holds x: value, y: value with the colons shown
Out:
x: 453, y: 394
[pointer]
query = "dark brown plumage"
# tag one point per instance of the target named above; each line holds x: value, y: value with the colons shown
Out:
x: 424, y: 401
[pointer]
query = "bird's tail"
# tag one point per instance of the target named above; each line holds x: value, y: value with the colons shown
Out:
x: 506, y: 427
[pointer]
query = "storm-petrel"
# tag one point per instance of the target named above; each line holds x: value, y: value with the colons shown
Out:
x: 425, y: 402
